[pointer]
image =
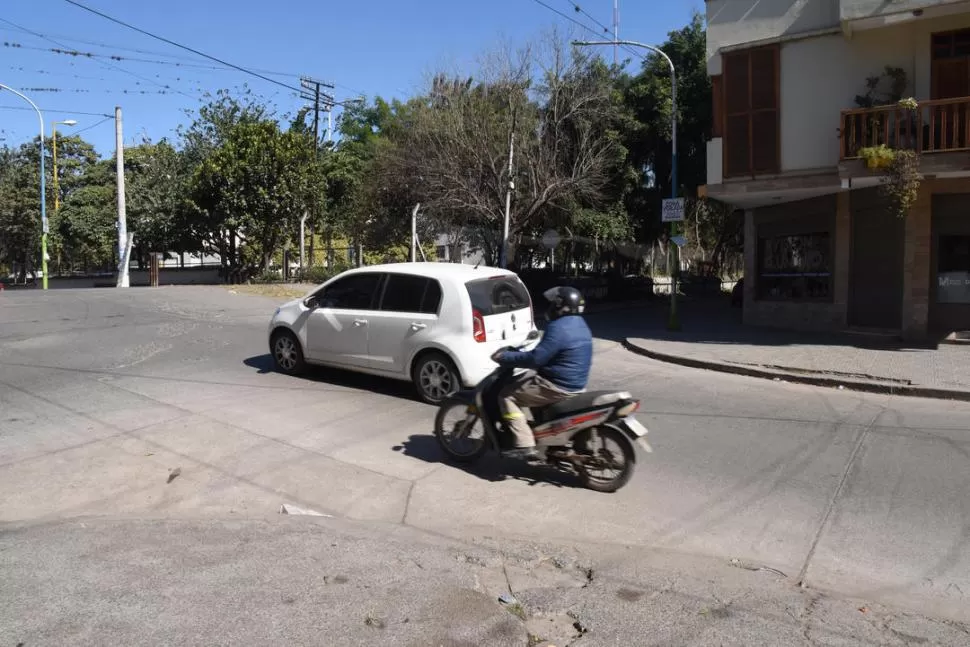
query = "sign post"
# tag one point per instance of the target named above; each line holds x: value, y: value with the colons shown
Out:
x: 673, y: 212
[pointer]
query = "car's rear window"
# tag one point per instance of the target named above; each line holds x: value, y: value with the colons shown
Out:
x: 498, y: 295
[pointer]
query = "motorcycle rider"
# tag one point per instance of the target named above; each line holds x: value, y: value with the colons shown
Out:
x: 561, y: 362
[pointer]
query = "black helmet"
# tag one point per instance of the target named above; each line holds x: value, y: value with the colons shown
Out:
x: 564, y: 300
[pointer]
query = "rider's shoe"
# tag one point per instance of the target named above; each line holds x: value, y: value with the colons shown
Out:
x: 530, y: 454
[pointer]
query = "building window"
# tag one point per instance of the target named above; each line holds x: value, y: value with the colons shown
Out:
x: 441, y: 252
x: 751, y: 122
x: 953, y: 270
x: 797, y: 267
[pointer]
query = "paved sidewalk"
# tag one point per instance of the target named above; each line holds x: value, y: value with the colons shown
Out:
x: 712, y: 337
x: 317, y: 581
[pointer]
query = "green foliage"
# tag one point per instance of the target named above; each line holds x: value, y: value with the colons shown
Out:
x: 592, y: 159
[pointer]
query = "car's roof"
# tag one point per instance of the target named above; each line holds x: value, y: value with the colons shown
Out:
x: 459, y: 271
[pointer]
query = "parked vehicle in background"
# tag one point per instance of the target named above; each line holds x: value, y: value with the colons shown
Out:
x: 435, y: 324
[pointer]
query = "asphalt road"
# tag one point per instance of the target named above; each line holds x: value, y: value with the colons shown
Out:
x: 103, y: 393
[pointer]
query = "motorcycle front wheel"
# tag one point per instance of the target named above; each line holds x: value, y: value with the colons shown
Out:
x: 609, y: 459
x: 460, y: 431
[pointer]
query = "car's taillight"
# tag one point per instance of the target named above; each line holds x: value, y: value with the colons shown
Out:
x: 478, y: 326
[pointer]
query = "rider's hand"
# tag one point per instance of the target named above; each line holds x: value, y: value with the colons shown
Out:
x: 496, y: 356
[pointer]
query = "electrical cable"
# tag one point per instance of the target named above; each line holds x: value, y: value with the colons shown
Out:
x: 180, y: 46
x: 105, y: 65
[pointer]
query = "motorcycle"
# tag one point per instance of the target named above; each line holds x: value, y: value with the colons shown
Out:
x: 571, y: 436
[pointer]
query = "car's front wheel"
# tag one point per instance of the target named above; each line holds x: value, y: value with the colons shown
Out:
x: 287, y: 353
x: 435, y: 377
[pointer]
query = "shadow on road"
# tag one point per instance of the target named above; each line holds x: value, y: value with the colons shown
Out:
x: 336, y: 377
x: 491, y: 467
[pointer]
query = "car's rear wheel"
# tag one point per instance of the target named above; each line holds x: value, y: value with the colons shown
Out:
x: 287, y: 353
x: 435, y: 377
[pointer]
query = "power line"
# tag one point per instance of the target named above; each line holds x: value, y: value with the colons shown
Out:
x: 62, y: 112
x: 574, y: 21
x: 104, y: 65
x: 107, y: 118
x: 105, y: 91
x: 180, y: 46
x: 192, y: 62
x: 95, y: 43
x: 604, y: 27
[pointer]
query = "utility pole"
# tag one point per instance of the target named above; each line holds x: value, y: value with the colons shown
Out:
x: 503, y: 254
x: 321, y: 100
x: 414, y: 233
x: 616, y: 29
x: 123, y: 241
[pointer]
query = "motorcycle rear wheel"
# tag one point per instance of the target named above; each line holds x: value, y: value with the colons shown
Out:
x: 446, y: 432
x: 623, y: 460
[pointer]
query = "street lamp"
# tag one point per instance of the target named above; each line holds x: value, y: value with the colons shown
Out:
x: 57, y: 193
x: 43, y: 186
x: 673, y: 322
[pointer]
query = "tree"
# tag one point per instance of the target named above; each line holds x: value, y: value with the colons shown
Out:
x: 251, y: 191
x: 452, y: 156
x: 20, y: 226
x: 712, y: 227
x: 157, y: 208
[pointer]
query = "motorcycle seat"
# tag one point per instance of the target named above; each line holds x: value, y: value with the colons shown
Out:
x: 580, y: 402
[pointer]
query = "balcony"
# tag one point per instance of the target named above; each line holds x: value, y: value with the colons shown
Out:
x: 939, y: 130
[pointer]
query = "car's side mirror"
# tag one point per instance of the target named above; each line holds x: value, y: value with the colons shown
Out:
x: 533, y: 335
x: 312, y: 302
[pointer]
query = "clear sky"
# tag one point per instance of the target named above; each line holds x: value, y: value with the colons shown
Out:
x: 364, y: 47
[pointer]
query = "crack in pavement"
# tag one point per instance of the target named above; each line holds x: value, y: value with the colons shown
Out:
x: 849, y: 464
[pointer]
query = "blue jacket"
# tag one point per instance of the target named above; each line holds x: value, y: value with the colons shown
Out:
x: 564, y: 356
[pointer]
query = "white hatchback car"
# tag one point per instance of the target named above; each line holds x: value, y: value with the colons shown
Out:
x: 436, y: 324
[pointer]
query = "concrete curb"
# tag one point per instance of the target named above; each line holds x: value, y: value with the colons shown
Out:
x: 813, y: 380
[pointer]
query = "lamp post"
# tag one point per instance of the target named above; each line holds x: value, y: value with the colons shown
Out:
x: 43, y: 186
x: 57, y: 193
x: 673, y: 322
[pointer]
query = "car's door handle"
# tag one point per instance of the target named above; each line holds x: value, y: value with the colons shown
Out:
x: 418, y: 326
x: 360, y: 322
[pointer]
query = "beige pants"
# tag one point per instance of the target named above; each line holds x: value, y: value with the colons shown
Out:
x: 533, y: 391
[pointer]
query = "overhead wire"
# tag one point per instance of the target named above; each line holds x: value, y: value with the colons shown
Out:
x: 64, y: 112
x: 181, y: 46
x: 102, y: 64
x: 95, y: 125
x: 580, y: 23
x: 604, y: 27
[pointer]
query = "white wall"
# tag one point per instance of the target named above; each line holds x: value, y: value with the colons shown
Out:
x: 820, y: 77
x: 734, y: 22
x: 715, y: 161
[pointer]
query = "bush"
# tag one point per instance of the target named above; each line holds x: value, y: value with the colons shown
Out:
x: 315, y: 274
x: 268, y: 276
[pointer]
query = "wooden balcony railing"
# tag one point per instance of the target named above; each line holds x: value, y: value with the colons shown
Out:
x: 937, y: 126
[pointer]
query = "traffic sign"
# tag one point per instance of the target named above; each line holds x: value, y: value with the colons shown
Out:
x: 550, y: 239
x: 673, y: 210
x: 680, y: 241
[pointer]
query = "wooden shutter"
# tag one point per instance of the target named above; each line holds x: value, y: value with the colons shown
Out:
x: 752, y: 139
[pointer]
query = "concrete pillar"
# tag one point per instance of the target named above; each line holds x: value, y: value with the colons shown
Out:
x: 916, y: 264
x: 841, y: 268
x: 750, y: 265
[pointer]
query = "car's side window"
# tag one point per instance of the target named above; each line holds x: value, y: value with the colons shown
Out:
x: 432, y: 298
x: 408, y: 293
x: 354, y: 292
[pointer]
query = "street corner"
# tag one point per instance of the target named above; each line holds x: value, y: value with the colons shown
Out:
x: 830, y: 367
